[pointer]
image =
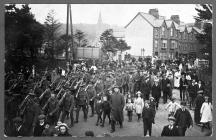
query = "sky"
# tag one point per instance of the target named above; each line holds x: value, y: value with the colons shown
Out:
x: 113, y: 14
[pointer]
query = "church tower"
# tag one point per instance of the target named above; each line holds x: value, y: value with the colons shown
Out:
x: 99, y: 30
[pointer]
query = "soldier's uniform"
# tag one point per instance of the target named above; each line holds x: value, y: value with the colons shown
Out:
x: 52, y: 110
x: 91, y: 93
x: 82, y: 102
x: 31, y: 114
x: 67, y: 106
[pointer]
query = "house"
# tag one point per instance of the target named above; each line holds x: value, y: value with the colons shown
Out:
x: 157, y: 36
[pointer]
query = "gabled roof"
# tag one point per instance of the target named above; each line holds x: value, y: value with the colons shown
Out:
x: 168, y: 23
x: 197, y: 30
x: 181, y: 28
x: 150, y: 19
x: 176, y: 25
x: 189, y: 29
x: 158, y: 22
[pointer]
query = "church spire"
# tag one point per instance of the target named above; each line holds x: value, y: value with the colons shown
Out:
x: 99, y: 19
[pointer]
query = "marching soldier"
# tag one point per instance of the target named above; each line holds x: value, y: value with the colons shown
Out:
x: 91, y: 93
x: 82, y: 102
x: 67, y: 106
x: 51, y: 109
x: 30, y: 112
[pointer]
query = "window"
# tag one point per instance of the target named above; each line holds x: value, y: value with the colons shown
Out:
x: 164, y: 44
x: 173, y: 45
x: 171, y: 32
x: 156, y: 33
x: 163, y: 31
x: 156, y: 53
x: 163, y: 56
x: 156, y: 44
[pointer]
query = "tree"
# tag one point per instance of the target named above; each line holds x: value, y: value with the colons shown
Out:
x: 51, y: 31
x: 109, y: 43
x: 23, y: 34
x: 205, y: 16
x: 123, y: 46
x: 80, y: 39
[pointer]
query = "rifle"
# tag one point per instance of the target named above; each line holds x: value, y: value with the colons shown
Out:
x: 59, y: 93
x: 43, y: 108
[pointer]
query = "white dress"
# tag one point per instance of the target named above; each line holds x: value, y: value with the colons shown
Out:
x: 206, y: 112
x: 177, y: 77
x: 139, y: 104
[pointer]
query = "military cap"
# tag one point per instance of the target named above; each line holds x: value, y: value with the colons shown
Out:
x: 17, y: 119
x: 171, y: 118
x: 41, y: 117
x: 31, y: 93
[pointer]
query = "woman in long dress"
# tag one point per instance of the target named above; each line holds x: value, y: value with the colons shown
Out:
x: 206, y: 113
x: 177, y: 77
x: 138, y: 104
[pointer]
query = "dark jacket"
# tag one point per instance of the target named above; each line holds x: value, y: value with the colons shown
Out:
x: 148, y: 113
x: 183, y: 118
x: 183, y: 83
x: 117, y: 104
x: 165, y: 83
x: 156, y: 91
x: 38, y: 130
x: 192, y: 89
x: 170, y: 132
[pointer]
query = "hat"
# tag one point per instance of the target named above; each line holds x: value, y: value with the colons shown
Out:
x: 200, y: 91
x: 151, y: 98
x: 115, y: 86
x: 183, y: 103
x: 156, y: 80
x: 171, y: 118
x: 138, y: 92
x: 17, y: 119
x: 31, y: 93
x: 41, y: 117
x: 63, y: 124
x: 147, y: 101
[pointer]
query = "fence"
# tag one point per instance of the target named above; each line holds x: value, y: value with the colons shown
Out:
x: 88, y: 52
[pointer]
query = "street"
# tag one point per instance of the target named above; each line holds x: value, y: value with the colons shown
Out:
x: 133, y: 128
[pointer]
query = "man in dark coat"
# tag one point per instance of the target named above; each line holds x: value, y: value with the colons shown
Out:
x: 199, y: 100
x: 183, y: 87
x: 171, y: 129
x: 117, y: 105
x: 192, y: 89
x: 156, y: 92
x: 183, y: 119
x: 148, y: 118
x: 166, y: 88
x: 145, y: 87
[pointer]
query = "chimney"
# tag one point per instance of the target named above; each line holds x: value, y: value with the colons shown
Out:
x: 154, y: 12
x: 175, y: 18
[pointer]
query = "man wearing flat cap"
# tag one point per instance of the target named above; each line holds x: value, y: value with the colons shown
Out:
x: 117, y: 104
x: 183, y: 119
x: 171, y: 129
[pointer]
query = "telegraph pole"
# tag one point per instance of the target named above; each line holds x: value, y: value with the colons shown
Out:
x: 67, y: 21
x: 71, y: 23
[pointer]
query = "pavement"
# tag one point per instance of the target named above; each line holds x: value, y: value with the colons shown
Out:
x: 133, y: 128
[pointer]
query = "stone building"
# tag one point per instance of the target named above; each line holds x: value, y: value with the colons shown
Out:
x: 160, y: 37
